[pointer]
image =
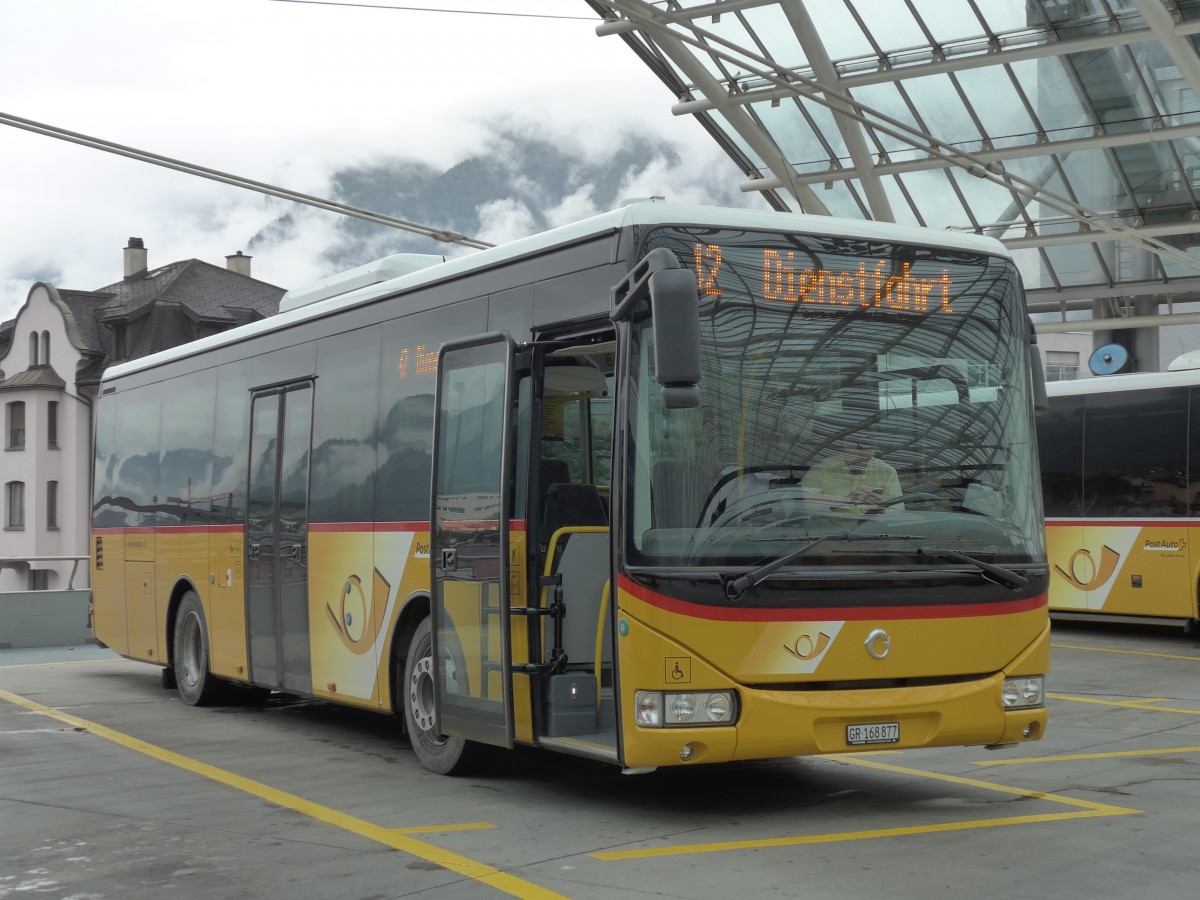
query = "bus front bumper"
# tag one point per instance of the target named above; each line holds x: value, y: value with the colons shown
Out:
x: 796, y: 722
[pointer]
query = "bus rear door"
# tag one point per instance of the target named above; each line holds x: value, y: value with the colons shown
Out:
x: 277, y: 538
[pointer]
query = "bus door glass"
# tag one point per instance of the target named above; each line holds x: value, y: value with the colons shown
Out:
x: 469, y: 525
x: 277, y: 538
x: 571, y: 509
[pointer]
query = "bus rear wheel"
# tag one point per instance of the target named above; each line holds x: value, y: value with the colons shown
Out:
x: 197, y: 685
x: 439, y: 753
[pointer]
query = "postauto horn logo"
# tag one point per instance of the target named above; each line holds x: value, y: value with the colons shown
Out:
x: 1084, y: 573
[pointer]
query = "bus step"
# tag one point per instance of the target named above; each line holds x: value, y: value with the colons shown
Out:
x: 570, y: 706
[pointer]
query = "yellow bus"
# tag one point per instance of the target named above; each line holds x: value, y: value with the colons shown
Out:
x: 557, y: 494
x: 1120, y: 462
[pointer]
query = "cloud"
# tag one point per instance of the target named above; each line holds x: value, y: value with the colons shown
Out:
x: 524, y: 180
x: 301, y: 96
x: 505, y: 220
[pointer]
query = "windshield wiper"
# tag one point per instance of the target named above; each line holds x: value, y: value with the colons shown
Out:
x: 736, y: 587
x: 1004, y: 577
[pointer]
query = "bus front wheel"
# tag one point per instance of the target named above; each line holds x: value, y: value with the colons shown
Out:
x: 197, y: 685
x: 439, y: 753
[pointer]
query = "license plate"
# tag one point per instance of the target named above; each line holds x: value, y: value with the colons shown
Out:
x: 873, y: 733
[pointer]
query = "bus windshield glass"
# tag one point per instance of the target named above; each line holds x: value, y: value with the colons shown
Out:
x: 864, y: 404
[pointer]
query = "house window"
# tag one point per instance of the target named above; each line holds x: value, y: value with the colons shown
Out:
x: 52, y: 506
x: 1062, y: 365
x: 45, y: 348
x: 33, y: 349
x: 14, y: 425
x: 120, y: 341
x: 14, y: 497
x: 52, y: 424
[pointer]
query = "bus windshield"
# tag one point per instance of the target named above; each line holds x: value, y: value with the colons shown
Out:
x: 864, y: 404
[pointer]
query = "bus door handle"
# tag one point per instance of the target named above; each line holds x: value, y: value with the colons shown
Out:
x: 253, y: 551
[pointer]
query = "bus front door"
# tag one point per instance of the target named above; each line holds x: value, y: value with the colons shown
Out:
x: 470, y: 542
x: 277, y: 538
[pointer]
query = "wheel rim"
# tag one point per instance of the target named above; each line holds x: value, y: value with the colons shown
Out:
x: 421, y: 698
x: 191, y: 648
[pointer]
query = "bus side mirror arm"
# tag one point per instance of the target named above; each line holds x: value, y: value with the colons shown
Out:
x: 675, y: 312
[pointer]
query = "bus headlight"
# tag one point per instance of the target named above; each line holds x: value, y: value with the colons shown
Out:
x: 649, y: 709
x: 1022, y: 693
x: 657, y: 709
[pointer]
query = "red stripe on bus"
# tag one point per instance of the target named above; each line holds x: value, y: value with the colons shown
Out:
x: 367, y: 527
x: 837, y: 613
x: 333, y: 527
x: 326, y: 527
x: 174, y: 529
x: 199, y: 529
x: 1123, y: 523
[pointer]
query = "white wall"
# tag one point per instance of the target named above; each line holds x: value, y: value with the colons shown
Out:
x: 37, y: 464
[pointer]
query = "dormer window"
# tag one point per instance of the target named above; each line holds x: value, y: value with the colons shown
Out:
x: 120, y: 341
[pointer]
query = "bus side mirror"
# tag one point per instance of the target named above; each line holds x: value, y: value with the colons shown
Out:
x: 675, y: 308
x: 1041, y: 402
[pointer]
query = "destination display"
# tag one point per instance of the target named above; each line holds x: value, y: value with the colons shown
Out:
x: 789, y: 277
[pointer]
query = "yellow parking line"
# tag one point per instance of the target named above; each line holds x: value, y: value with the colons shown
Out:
x: 1128, y: 704
x: 61, y: 662
x: 765, y: 843
x: 1127, y: 652
x: 1085, y: 809
x: 426, y: 829
x: 985, y: 785
x: 1076, y: 757
x: 396, y: 838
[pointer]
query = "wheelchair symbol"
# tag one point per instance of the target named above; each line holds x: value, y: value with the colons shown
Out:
x: 678, y: 670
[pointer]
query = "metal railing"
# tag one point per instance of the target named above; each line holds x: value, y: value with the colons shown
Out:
x: 18, y: 561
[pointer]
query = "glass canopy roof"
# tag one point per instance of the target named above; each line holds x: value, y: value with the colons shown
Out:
x: 1069, y: 129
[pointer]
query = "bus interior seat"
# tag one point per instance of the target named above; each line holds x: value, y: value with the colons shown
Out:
x: 552, y: 471
x: 572, y: 504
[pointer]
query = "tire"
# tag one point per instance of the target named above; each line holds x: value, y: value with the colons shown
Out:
x: 196, y: 684
x: 437, y: 752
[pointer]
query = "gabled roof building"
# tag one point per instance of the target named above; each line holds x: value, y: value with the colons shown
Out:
x: 52, y: 355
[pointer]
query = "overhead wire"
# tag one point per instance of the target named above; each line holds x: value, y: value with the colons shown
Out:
x: 437, y: 234
x: 434, y: 9
x: 95, y: 143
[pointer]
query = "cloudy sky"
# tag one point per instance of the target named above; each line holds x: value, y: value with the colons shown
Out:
x: 285, y: 93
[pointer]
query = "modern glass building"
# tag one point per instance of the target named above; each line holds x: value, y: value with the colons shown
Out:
x: 1069, y: 129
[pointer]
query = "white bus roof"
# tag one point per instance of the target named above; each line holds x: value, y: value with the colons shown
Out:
x: 1134, y: 381
x: 360, y: 287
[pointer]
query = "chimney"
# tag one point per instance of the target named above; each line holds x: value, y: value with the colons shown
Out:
x: 135, y: 258
x: 238, y: 262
